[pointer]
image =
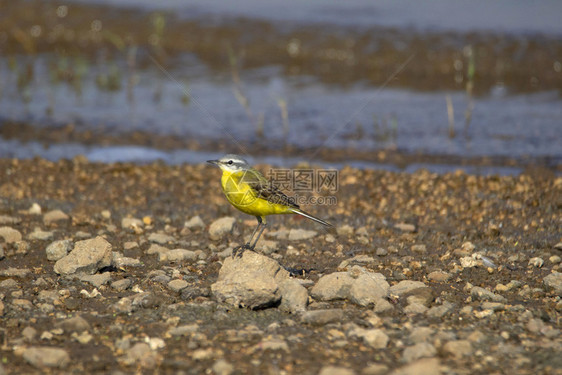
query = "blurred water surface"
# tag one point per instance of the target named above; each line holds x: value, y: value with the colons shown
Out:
x: 461, y: 79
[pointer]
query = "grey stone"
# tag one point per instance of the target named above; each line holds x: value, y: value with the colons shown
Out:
x: 424, y: 366
x: 122, y: 261
x: 161, y: 238
x: 97, y: 279
x: 54, y: 215
x: 404, y: 227
x: 75, y: 324
x: 184, y: 330
x: 121, y: 285
x: 554, y: 281
x: 40, y: 235
x: 221, y: 227
x: 458, y: 348
x: 421, y: 334
x: 131, y: 223
x: 177, y: 285
x: 375, y: 337
x: 177, y: 255
x: 406, y: 286
x: 194, y: 222
x: 41, y: 357
x: 481, y: 294
x: 333, y: 286
x: 294, y: 296
x: 10, y: 235
x: 420, y: 350
x: 368, y: 287
x: 439, y: 276
x: 251, y: 280
x: 9, y: 220
x: 440, y: 311
x: 335, y: 370
x: 88, y: 256
x: 9, y: 284
x: 301, y: 234
x: 14, y: 272
x: 322, y: 317
x: 415, y: 308
x: 58, y: 249
x: 29, y: 333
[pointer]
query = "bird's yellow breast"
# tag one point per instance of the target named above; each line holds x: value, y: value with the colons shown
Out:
x: 242, y: 196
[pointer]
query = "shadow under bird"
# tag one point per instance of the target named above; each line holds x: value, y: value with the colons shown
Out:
x: 250, y: 192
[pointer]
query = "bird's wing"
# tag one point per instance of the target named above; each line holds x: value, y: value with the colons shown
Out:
x: 265, y: 189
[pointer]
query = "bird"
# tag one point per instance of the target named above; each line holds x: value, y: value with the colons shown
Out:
x: 250, y: 192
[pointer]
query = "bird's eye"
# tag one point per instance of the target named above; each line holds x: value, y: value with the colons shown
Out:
x: 230, y: 162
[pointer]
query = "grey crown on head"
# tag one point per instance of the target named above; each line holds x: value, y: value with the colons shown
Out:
x: 236, y: 160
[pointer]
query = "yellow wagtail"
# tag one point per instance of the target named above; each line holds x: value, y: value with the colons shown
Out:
x: 250, y: 192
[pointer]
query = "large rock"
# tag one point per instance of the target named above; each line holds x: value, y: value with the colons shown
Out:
x: 251, y: 280
x: 87, y: 257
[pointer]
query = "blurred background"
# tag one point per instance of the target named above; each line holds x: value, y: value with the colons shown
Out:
x: 392, y: 84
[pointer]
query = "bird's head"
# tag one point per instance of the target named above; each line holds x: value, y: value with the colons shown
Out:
x: 231, y: 163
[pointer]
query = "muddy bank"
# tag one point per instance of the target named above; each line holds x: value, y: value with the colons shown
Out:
x: 482, y: 255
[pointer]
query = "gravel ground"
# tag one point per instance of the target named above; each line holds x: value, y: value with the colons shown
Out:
x: 127, y: 269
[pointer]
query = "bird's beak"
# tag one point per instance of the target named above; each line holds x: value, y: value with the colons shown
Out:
x: 214, y: 162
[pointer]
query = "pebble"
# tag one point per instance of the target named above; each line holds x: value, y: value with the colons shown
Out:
x: 439, y: 276
x: 54, y: 216
x: 440, y: 311
x: 323, y: 317
x: 120, y: 261
x: 10, y: 235
x: 536, y: 262
x: 415, y: 308
x: 468, y: 262
x: 222, y: 367
x: 161, y: 238
x: 9, y: 220
x: 294, y: 296
x: 88, y: 256
x: 417, y: 351
x: 58, y: 249
x: 8, y: 284
x: 29, y: 333
x: 194, y: 223
x: 458, y: 348
x: 249, y: 281
x: 75, y: 324
x: 482, y: 294
x: 177, y: 255
x: 554, y: 282
x: 375, y: 369
x: 220, y: 227
x: 132, y: 223
x: 375, y: 338
x: 35, y: 209
x: 41, y: 357
x: 405, y: 227
x: 297, y: 234
x: 141, y: 355
x: 425, y: 366
x: 420, y: 248
x: 185, y: 330
x: 177, y: 285
x: 97, y: 279
x: 406, y: 286
x: 357, y: 285
x: 40, y: 235
x: 14, y: 272
x: 121, y: 285
x: 335, y: 370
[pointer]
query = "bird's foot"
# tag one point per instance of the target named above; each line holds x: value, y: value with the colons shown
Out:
x: 239, y: 250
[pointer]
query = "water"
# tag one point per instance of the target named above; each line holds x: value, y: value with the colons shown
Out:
x: 343, y: 86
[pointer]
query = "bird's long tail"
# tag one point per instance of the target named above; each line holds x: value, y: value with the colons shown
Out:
x: 307, y: 215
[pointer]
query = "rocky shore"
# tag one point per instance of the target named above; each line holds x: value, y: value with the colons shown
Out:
x: 121, y: 268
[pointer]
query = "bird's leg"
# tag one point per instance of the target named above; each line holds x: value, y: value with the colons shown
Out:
x: 262, y: 225
x: 238, y: 251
